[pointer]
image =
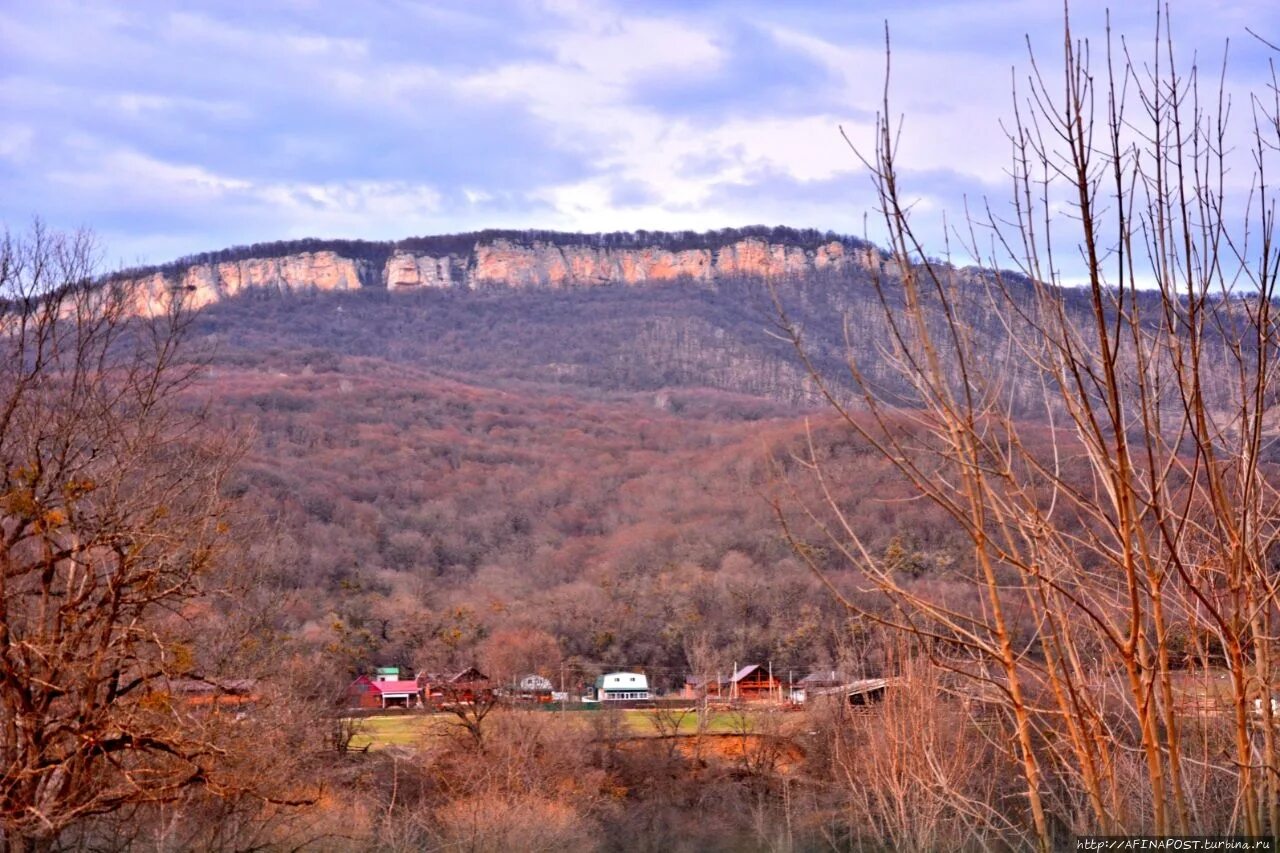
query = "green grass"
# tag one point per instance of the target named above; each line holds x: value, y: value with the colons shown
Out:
x: 397, y: 730
x: 409, y: 729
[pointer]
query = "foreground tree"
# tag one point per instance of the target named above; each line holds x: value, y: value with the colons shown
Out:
x: 1122, y: 526
x: 110, y: 522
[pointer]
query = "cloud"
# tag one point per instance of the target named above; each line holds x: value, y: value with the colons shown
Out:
x: 177, y: 130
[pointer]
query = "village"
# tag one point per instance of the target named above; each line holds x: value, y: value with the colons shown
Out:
x: 392, y: 687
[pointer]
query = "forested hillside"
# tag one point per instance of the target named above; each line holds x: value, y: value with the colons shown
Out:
x: 649, y: 477
x: 420, y: 520
x: 611, y: 338
x: 595, y: 465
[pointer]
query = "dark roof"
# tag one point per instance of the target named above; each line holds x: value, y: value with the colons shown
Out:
x: 471, y: 673
x: 822, y: 676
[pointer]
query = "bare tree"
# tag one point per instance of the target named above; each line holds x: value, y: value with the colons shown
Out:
x: 1127, y: 529
x: 110, y: 523
x: 470, y: 705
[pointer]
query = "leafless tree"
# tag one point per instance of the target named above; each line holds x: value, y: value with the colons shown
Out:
x: 1128, y: 528
x: 111, y: 519
x: 470, y: 706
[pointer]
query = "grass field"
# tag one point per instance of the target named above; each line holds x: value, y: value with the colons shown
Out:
x: 409, y: 729
x: 641, y: 723
x: 398, y: 730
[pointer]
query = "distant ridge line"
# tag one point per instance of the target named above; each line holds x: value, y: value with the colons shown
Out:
x: 463, y: 244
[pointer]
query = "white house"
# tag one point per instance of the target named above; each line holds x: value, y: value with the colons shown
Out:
x: 620, y: 686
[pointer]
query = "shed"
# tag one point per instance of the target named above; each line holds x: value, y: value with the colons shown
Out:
x: 866, y: 691
x: 701, y: 687
x: 863, y: 692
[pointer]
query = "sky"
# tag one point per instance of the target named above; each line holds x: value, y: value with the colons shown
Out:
x: 172, y: 128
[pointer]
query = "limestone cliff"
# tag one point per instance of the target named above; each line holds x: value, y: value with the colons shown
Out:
x: 202, y: 284
x: 537, y: 264
x: 407, y: 270
x: 498, y: 261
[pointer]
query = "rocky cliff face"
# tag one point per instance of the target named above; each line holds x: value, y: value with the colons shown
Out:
x: 504, y: 262
x: 407, y: 270
x: 203, y: 284
x: 499, y: 262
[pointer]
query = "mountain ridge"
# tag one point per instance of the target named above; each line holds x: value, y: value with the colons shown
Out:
x: 502, y: 258
x: 378, y: 251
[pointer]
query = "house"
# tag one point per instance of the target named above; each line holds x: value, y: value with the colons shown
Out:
x: 814, y: 683
x: 468, y: 686
x: 703, y: 687
x: 369, y: 691
x: 622, y: 686
x: 535, y: 688
x: 753, y: 683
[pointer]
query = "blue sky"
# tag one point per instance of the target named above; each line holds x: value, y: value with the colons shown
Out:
x: 171, y: 128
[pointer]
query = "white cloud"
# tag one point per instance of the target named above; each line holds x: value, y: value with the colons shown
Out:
x: 952, y: 102
x: 270, y: 43
x: 556, y: 113
x: 621, y: 52
x: 17, y: 142
x: 583, y: 97
x: 140, y: 104
x: 151, y: 186
x: 130, y: 175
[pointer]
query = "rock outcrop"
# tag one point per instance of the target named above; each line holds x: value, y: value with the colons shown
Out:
x: 202, y: 284
x: 500, y: 262
x: 407, y: 270
x: 504, y: 262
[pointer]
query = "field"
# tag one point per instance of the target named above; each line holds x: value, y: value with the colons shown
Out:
x: 408, y: 729
x: 395, y: 730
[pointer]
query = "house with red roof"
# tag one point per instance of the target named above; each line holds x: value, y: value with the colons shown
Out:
x: 380, y: 691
